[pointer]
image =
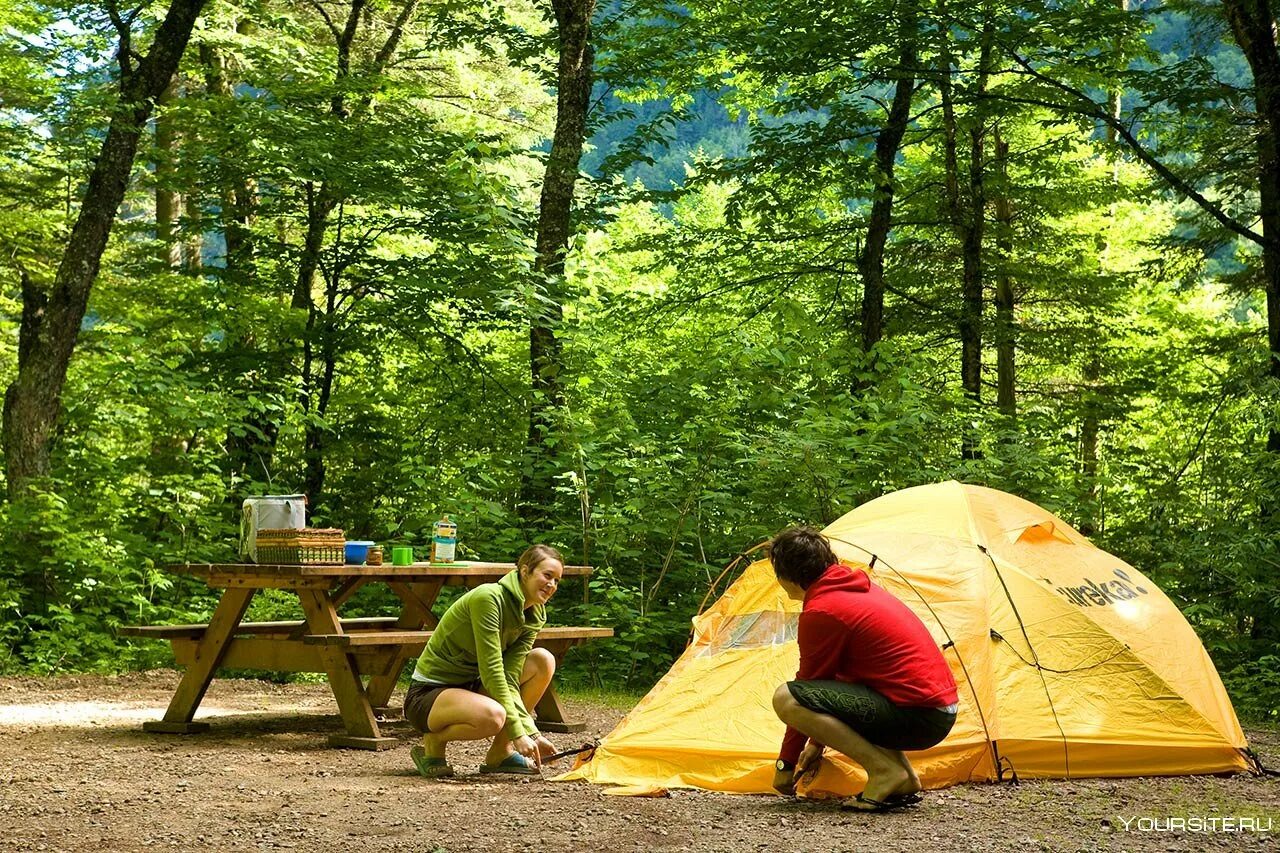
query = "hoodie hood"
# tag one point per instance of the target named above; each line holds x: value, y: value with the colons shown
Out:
x: 838, y: 578
x: 511, y: 583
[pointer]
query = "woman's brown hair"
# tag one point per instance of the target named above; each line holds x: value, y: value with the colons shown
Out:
x: 533, y: 557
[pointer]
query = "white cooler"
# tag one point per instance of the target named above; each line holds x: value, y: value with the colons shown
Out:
x: 269, y: 511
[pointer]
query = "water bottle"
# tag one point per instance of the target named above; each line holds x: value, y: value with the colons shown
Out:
x: 444, y: 540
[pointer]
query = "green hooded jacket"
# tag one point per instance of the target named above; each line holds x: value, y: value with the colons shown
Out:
x: 487, y: 634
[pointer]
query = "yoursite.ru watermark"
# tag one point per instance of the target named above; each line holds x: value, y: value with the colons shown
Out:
x: 1232, y: 823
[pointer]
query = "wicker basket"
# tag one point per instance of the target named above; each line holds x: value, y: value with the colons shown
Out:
x: 310, y: 546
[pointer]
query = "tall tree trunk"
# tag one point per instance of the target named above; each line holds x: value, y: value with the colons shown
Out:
x: 193, y: 245
x: 237, y: 197
x: 967, y: 213
x: 1253, y: 25
x: 888, y: 142
x: 322, y: 200
x: 167, y: 199
x: 1089, y: 443
x: 250, y: 445
x: 36, y: 585
x: 51, y: 323
x: 1090, y: 425
x: 575, y: 72
x: 314, y: 389
x: 971, y: 262
x: 316, y: 433
x: 1006, y: 394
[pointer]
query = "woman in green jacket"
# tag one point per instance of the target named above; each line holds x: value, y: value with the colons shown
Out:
x: 479, y: 674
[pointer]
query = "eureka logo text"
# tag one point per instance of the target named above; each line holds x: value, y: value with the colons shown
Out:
x: 1102, y: 593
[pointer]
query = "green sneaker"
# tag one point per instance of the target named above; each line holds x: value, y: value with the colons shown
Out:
x: 429, y: 767
x: 514, y: 763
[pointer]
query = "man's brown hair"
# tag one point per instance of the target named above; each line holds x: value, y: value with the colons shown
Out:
x: 800, y: 555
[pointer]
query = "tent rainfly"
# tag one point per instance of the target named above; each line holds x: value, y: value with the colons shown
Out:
x: 1069, y: 662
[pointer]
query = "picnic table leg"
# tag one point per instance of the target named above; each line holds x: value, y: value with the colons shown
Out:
x: 417, y: 598
x: 353, y: 703
x: 549, y: 711
x: 209, y: 653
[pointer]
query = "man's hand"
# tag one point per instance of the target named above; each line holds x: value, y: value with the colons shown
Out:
x: 784, y: 782
x: 809, y: 760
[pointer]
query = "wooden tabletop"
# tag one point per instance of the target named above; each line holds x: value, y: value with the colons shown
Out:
x: 386, y: 570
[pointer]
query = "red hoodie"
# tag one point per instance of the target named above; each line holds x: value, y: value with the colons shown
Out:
x: 853, y: 631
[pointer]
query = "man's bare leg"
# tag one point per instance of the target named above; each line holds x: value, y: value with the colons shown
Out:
x: 888, y: 771
x: 915, y: 785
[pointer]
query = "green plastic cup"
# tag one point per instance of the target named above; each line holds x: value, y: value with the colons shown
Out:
x: 401, y: 555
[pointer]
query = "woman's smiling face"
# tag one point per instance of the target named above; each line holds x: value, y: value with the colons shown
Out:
x: 542, y: 581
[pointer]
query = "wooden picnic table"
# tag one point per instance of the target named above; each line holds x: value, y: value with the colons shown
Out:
x: 363, y: 657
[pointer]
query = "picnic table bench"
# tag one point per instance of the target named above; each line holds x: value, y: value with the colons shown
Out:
x: 362, y: 656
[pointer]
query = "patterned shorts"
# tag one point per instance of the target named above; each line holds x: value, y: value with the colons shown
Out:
x: 873, y: 716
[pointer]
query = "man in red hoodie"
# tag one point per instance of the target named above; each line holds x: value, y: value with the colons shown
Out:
x: 872, y: 681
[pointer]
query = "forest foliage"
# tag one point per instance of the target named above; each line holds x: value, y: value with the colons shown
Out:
x: 1077, y: 301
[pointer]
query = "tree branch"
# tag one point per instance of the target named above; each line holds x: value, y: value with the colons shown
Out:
x: 1195, y: 450
x: 393, y: 38
x: 324, y: 13
x: 1088, y: 108
x: 124, y: 27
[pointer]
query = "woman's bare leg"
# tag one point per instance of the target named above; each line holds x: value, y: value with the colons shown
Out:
x: 539, y: 667
x: 459, y: 714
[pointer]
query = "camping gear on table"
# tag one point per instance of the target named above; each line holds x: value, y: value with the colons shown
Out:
x: 356, y: 551
x: 444, y: 540
x: 312, y: 546
x: 276, y: 512
x: 1069, y: 662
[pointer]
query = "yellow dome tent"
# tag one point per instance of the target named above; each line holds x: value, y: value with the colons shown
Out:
x: 1069, y: 662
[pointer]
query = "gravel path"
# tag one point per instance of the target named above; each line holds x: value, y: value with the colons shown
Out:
x: 78, y: 773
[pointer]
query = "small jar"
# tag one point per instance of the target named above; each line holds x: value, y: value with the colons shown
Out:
x: 375, y: 556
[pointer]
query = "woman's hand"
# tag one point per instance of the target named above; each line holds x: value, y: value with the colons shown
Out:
x: 545, y: 747
x: 528, y: 747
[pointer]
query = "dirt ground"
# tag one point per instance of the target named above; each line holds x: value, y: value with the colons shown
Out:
x: 78, y: 773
